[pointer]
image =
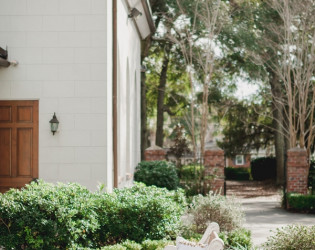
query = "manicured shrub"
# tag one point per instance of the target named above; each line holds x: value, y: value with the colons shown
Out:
x: 47, y: 216
x: 157, y: 173
x: 227, y: 212
x: 311, y: 176
x: 239, y: 174
x: 301, y: 202
x: 238, y: 238
x: 68, y: 216
x: 263, y: 168
x: 292, y: 237
x: 140, y: 213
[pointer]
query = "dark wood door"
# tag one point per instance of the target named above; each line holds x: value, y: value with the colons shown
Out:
x: 18, y: 143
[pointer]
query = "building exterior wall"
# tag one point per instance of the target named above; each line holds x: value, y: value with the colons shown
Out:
x: 65, y: 61
x: 128, y: 92
x: 231, y: 162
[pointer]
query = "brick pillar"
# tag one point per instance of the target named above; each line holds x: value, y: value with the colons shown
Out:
x: 297, y: 171
x: 154, y: 153
x: 214, y: 166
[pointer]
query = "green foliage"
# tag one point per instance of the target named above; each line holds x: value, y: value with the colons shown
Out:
x: 192, y: 178
x: 155, y: 244
x: 237, y: 173
x: 245, y: 128
x: 263, y: 168
x: 238, y: 238
x: 158, y: 173
x: 301, y: 202
x: 311, y: 176
x: 292, y: 237
x: 145, y: 245
x: 140, y: 213
x: 191, y: 171
x: 47, y: 216
x: 227, y: 212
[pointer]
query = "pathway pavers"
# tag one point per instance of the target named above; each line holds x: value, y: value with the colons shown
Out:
x: 264, y: 214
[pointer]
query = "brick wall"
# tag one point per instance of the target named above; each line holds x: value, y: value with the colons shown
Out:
x: 154, y: 153
x: 214, y: 166
x: 297, y: 171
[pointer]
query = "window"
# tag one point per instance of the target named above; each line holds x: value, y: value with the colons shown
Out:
x: 239, y: 160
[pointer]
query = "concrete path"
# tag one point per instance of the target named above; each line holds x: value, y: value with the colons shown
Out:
x: 265, y: 213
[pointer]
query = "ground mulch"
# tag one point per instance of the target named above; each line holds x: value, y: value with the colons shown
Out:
x: 251, y: 189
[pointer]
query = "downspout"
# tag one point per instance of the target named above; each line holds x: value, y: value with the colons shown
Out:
x: 115, y: 146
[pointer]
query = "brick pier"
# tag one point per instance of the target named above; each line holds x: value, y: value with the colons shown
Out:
x: 297, y: 171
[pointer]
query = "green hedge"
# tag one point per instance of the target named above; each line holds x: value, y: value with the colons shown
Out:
x: 157, y: 173
x: 311, y: 176
x: 301, y: 202
x: 47, y: 216
x: 264, y: 168
x: 240, y: 174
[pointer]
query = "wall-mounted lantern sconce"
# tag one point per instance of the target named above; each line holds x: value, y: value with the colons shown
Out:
x: 134, y: 13
x: 4, y: 62
x: 54, y: 124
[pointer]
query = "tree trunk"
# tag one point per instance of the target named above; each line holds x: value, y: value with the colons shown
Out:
x: 278, y: 122
x: 160, y: 100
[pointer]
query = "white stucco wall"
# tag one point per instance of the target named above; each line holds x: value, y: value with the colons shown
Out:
x: 64, y: 49
x: 129, y: 51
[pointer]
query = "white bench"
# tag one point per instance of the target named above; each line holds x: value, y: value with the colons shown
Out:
x: 209, y: 241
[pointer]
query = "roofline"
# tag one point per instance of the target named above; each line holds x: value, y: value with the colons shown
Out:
x: 148, y: 14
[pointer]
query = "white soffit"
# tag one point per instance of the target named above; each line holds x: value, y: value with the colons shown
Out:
x: 142, y: 21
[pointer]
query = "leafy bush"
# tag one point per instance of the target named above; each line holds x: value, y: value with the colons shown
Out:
x: 157, y: 173
x: 192, y: 179
x: 227, y: 212
x: 140, y: 213
x: 292, y: 237
x: 45, y: 216
x: 264, y: 168
x: 237, y: 173
x: 311, y: 177
x: 237, y: 238
x: 145, y: 245
x: 155, y: 244
x: 301, y: 201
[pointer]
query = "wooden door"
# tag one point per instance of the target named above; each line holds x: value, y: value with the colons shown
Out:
x: 18, y: 143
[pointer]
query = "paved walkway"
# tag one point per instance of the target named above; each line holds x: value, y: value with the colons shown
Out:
x: 265, y: 213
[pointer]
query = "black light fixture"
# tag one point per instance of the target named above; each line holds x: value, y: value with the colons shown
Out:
x: 134, y: 13
x: 54, y: 124
x: 4, y: 59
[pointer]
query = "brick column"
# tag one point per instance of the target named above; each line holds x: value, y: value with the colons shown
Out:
x: 154, y: 153
x: 214, y: 167
x: 297, y: 171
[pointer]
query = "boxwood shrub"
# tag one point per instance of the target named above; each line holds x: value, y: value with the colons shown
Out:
x: 157, y: 173
x: 140, y: 213
x: 240, y: 174
x: 301, y: 202
x: 47, y: 216
x: 264, y: 168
